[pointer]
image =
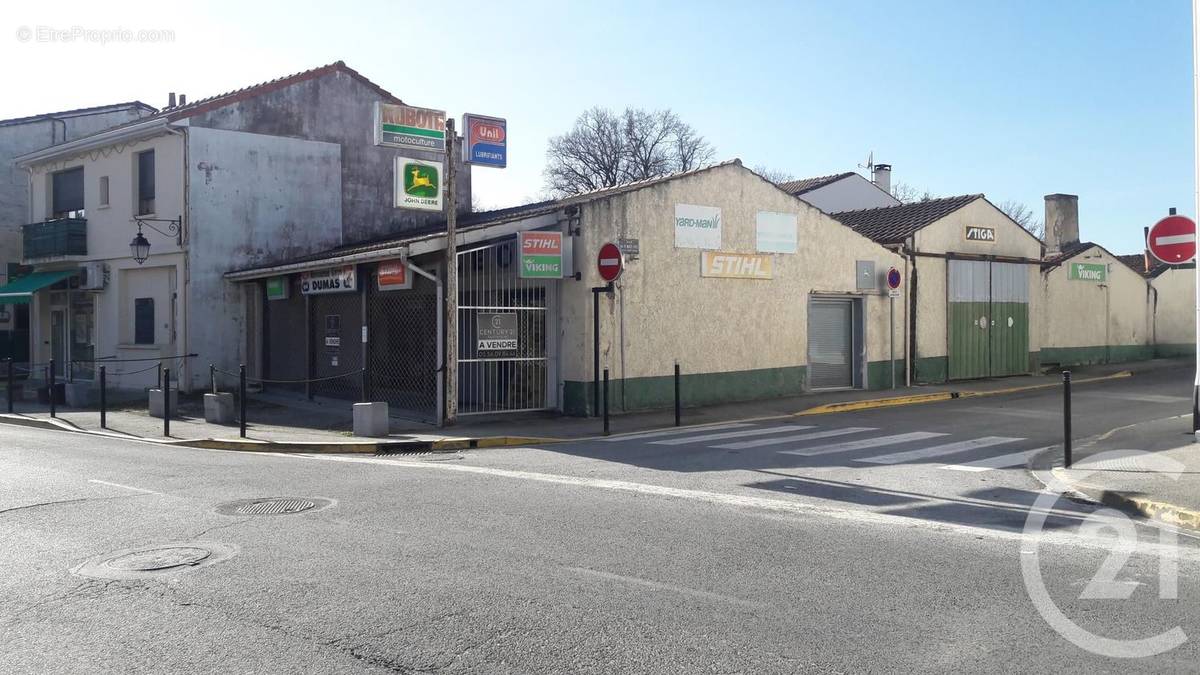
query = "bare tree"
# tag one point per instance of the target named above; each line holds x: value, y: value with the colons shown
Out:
x: 1023, y: 216
x: 604, y: 149
x: 776, y: 176
x: 909, y: 194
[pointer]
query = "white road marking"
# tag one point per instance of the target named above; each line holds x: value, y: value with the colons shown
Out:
x: 1145, y: 398
x: 674, y: 432
x: 937, y: 450
x: 128, y: 487
x: 1001, y: 462
x: 829, y: 433
x: 862, y: 444
x: 1016, y: 412
x: 661, y: 586
x: 731, y: 434
x: 1174, y: 239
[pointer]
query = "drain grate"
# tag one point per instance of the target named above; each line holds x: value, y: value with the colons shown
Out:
x: 271, y: 507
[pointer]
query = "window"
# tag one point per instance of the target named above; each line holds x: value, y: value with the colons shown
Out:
x: 145, y: 183
x: 66, y: 194
x: 143, y: 321
x: 103, y: 191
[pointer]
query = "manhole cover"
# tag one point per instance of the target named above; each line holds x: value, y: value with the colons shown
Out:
x: 268, y: 507
x: 271, y: 506
x: 155, y: 561
x: 158, y: 559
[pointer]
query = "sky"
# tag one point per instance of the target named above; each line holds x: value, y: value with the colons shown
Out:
x: 1014, y: 99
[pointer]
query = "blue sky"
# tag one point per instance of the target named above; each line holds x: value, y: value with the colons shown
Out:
x: 1012, y: 99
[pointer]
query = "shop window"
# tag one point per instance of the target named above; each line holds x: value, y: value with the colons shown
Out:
x: 145, y: 183
x: 66, y: 194
x: 143, y: 321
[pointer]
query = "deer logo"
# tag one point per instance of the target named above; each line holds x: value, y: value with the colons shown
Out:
x: 419, y: 181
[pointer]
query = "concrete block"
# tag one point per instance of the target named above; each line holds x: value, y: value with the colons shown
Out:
x: 156, y: 402
x: 80, y: 394
x: 218, y: 408
x: 371, y: 419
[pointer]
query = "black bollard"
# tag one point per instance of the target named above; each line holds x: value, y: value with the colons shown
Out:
x: 50, y: 387
x: 103, y: 399
x: 166, y: 394
x: 10, y: 384
x: 242, y: 397
x: 677, y: 403
x: 1067, y: 418
x: 606, y: 401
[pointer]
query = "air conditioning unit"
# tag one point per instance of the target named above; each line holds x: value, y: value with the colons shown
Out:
x: 93, y: 276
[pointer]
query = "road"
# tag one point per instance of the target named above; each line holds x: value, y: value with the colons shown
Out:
x: 808, y: 544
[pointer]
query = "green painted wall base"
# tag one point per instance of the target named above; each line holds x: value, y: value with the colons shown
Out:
x: 1174, y: 351
x: 1082, y: 356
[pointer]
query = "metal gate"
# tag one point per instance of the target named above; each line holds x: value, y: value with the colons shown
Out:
x: 987, y: 319
x: 403, y: 345
x: 507, y: 329
x: 335, y: 335
x: 833, y: 343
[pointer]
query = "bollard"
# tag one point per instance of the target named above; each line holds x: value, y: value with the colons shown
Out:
x: 606, y: 401
x: 1067, y: 418
x: 159, y: 375
x: 362, y: 385
x: 242, y: 397
x: 103, y: 400
x: 166, y: 392
x: 677, y: 406
x: 50, y: 387
x: 212, y: 377
x: 10, y: 384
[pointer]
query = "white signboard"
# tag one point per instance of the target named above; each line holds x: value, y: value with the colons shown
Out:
x: 336, y: 280
x: 697, y: 226
x: 418, y: 184
x: 776, y: 232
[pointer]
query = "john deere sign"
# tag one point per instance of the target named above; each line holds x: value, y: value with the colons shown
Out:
x: 402, y: 126
x: 418, y: 184
x: 1088, y: 272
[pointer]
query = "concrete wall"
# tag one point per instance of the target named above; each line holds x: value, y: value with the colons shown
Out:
x: 337, y: 108
x: 734, y: 338
x: 947, y: 235
x: 849, y: 194
x: 255, y: 200
x: 1175, y: 311
x: 1096, y: 322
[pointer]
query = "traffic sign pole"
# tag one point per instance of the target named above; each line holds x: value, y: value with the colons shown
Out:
x: 893, y: 282
x: 1196, y: 174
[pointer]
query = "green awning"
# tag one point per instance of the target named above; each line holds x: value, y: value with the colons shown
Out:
x: 19, y: 291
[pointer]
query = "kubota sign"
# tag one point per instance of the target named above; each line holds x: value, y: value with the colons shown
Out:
x: 402, y: 126
x: 724, y: 265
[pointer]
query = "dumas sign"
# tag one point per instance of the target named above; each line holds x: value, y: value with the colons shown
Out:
x: 336, y: 280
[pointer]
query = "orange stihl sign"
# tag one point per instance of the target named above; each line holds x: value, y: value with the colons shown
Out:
x: 541, y: 255
x: 723, y: 265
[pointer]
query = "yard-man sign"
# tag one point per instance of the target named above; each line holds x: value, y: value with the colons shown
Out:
x: 1088, y: 272
x: 976, y: 233
x: 336, y: 280
x: 402, y: 126
x: 495, y: 331
x: 735, y: 265
x: 697, y: 226
x: 418, y: 184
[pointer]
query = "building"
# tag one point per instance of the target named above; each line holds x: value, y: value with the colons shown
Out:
x: 17, y: 137
x: 257, y: 175
x: 971, y: 278
x: 753, y: 292
x: 847, y: 191
x: 1173, y: 302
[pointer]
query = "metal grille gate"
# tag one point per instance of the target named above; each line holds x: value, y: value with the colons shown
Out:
x: 402, y: 346
x: 497, y: 375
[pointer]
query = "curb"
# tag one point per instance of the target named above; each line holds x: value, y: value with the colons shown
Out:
x: 893, y: 401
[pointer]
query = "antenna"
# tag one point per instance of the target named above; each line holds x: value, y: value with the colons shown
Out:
x: 870, y: 162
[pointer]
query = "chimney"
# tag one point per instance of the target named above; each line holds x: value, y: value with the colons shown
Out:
x: 183, y: 99
x: 171, y: 100
x: 881, y: 175
x: 1062, y: 221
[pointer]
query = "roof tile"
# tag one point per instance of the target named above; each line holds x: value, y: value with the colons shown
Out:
x: 894, y: 224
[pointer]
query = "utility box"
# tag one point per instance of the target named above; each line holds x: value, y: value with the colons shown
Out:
x: 218, y: 408
x: 156, y: 402
x: 371, y: 419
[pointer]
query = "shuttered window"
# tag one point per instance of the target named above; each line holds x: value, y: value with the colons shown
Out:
x: 66, y: 192
x: 143, y: 321
x: 831, y: 343
x: 145, y: 182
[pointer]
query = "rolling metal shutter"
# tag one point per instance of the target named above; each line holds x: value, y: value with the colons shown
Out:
x: 830, y: 343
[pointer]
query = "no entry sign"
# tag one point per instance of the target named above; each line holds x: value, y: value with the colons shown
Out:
x: 1173, y: 240
x: 609, y: 262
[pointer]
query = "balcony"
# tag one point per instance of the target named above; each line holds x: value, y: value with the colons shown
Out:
x: 55, y: 239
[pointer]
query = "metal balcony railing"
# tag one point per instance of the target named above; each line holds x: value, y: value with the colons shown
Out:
x: 55, y: 238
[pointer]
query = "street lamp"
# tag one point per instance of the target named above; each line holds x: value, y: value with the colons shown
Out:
x: 139, y: 248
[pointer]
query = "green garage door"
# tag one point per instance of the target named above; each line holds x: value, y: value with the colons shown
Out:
x: 988, y: 319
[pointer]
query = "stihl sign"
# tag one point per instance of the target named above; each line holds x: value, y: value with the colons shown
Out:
x: 723, y: 265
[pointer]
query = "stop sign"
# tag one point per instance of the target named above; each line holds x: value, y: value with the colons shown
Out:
x: 609, y: 262
x: 1173, y: 240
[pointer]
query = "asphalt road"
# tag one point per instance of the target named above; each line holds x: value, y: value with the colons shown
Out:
x: 615, y: 555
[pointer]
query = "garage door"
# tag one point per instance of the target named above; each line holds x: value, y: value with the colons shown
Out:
x: 988, y: 319
x: 831, y: 353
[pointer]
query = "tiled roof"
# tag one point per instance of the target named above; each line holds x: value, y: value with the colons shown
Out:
x: 1134, y: 262
x: 894, y: 224
x: 1068, y: 251
x: 77, y: 112
x: 799, y: 187
x: 1137, y: 261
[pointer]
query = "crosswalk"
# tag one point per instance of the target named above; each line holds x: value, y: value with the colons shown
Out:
x: 861, y: 445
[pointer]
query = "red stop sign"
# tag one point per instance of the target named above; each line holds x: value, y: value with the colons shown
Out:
x: 1173, y: 240
x: 609, y: 262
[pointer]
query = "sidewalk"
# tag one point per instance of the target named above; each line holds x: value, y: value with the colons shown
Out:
x: 1150, y: 469
x: 277, y: 423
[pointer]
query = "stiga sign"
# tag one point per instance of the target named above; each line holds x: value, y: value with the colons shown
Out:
x: 402, y: 126
x: 724, y: 265
x: 541, y: 255
x: 1088, y: 272
x: 496, y: 331
x: 486, y: 142
x: 418, y: 184
x: 976, y: 233
x: 336, y: 280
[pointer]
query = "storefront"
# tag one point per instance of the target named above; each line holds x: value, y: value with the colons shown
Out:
x: 55, y: 319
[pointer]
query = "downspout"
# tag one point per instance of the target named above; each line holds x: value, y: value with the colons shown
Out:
x: 185, y: 221
x: 910, y: 314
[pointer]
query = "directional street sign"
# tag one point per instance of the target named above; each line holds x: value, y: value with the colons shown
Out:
x: 1173, y: 240
x: 609, y: 262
